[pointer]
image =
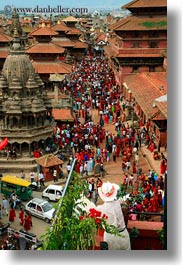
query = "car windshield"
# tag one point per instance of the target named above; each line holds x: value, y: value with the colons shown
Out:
x: 47, y: 207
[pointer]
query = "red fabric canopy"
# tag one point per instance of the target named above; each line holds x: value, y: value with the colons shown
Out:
x: 3, y: 143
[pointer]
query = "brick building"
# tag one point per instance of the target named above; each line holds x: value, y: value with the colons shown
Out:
x: 139, y: 41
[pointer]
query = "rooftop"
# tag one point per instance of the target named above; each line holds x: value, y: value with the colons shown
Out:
x: 140, y: 23
x: 145, y: 3
x: 60, y: 26
x: 51, y: 67
x: 45, y: 48
x: 70, y: 19
x: 43, y: 31
x: 150, y: 89
x: 5, y: 38
x: 62, y: 114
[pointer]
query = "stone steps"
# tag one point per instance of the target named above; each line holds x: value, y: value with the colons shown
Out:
x: 15, y: 166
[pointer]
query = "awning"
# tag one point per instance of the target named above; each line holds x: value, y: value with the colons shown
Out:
x: 49, y: 160
x: 62, y: 115
x: 162, y: 98
x: 4, y: 143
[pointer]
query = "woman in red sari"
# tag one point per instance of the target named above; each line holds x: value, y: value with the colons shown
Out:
x: 12, y: 215
x: 21, y: 216
x: 163, y: 166
x: 27, y: 223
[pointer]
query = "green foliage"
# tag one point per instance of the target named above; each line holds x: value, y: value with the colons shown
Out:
x: 134, y: 233
x: 149, y: 24
x: 69, y: 231
x: 132, y: 200
x: 121, y: 192
x: 161, y: 235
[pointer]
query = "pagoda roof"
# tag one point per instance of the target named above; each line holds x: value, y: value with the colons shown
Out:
x: 79, y: 44
x: 4, y: 53
x: 144, y: 3
x: 141, y: 55
x: 45, y: 48
x: 63, y: 42
x: 51, y: 67
x: 132, y: 23
x: 49, y: 160
x: 70, y: 19
x: 43, y: 31
x: 62, y: 114
x: 101, y: 37
x: 110, y: 52
x: 61, y: 26
x: 74, y: 31
x: 149, y: 91
x: 5, y: 38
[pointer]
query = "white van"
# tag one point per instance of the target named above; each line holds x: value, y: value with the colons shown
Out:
x: 53, y: 192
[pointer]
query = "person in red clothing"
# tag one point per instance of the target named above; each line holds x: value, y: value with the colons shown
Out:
x: 21, y: 216
x: 163, y: 166
x: 27, y: 223
x: 12, y: 215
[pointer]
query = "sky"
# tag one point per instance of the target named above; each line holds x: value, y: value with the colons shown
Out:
x: 65, y: 3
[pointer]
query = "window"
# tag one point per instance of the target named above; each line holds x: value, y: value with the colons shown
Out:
x: 51, y: 191
x: 136, y: 34
x: 47, y: 207
x: 135, y: 69
x: 151, y: 69
x: 136, y: 45
x: 153, y: 44
x: 39, y: 209
x: 32, y: 205
x: 154, y: 34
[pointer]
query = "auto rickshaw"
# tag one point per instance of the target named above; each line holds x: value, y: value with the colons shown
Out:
x: 21, y: 187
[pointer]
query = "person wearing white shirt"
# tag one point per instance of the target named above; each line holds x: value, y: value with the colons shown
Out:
x: 112, y: 208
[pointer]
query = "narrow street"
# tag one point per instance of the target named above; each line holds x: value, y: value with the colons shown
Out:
x: 113, y: 170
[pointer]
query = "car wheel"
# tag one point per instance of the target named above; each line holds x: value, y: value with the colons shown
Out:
x: 47, y: 220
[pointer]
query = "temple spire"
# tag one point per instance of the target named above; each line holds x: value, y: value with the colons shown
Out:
x: 15, y: 23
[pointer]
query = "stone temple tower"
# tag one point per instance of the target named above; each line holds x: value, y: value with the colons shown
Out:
x: 25, y: 112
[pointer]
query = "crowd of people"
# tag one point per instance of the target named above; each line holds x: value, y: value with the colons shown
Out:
x: 93, y: 89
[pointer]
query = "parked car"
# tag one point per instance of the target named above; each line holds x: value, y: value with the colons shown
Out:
x: 53, y: 192
x: 40, y: 208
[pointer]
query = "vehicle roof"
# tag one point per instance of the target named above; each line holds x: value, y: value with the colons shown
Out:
x: 55, y: 187
x: 15, y: 180
x: 39, y: 200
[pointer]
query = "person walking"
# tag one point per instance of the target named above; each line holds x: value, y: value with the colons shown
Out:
x: 12, y: 214
x: 21, y: 216
x: 41, y: 178
x: 4, y: 206
x: 22, y: 174
x: 32, y: 176
x: 55, y: 175
x: 27, y: 223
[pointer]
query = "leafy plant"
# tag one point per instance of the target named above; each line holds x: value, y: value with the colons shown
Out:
x: 149, y: 24
x: 161, y: 235
x: 72, y: 230
x: 121, y: 192
x: 134, y: 233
